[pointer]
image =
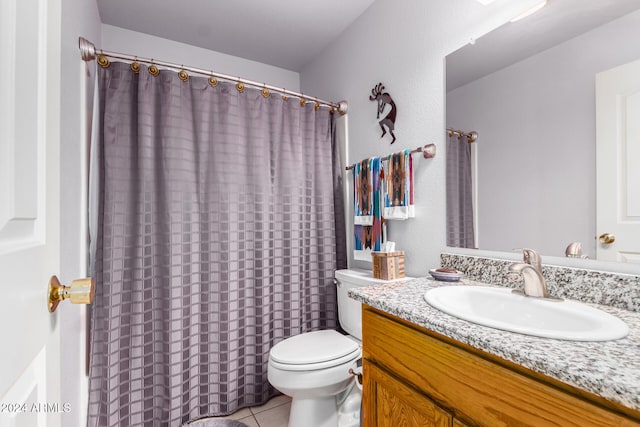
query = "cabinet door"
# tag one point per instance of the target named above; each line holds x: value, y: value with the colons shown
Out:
x: 391, y: 403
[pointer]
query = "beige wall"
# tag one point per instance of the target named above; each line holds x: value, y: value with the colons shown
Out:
x: 79, y: 18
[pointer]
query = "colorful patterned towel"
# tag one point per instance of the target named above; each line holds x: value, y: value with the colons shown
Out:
x: 363, y: 192
x: 368, y: 237
x: 397, y: 187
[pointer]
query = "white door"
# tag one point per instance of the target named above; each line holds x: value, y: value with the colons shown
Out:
x: 29, y: 211
x: 618, y: 163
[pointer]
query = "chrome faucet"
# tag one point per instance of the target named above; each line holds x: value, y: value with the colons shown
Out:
x: 531, y: 271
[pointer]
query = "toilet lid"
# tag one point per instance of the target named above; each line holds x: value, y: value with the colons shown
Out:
x: 313, y: 347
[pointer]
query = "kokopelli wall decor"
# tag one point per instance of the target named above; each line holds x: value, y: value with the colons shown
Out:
x: 389, y: 121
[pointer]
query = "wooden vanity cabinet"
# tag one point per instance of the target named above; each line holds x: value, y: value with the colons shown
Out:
x: 417, y: 377
x: 399, y: 405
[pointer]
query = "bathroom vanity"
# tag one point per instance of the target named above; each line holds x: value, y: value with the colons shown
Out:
x: 423, y: 367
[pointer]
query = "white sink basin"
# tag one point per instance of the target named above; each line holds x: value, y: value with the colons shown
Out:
x: 502, y: 309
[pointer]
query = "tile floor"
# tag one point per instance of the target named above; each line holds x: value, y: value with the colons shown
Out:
x: 274, y: 413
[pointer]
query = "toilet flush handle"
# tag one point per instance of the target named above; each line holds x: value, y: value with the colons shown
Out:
x: 357, y: 372
x: 358, y: 375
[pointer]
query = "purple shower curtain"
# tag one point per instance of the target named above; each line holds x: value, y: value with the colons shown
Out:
x: 220, y: 227
x: 459, y: 194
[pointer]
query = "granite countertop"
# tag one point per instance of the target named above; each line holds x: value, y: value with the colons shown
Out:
x: 609, y: 369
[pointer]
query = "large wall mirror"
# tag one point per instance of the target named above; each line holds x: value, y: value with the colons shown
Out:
x: 529, y: 91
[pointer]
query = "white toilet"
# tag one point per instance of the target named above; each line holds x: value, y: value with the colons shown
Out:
x: 313, y: 368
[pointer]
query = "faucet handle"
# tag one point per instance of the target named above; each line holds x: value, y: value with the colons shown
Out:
x: 532, y: 258
x: 574, y: 250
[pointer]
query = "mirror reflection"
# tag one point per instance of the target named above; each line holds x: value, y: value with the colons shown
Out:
x: 529, y: 91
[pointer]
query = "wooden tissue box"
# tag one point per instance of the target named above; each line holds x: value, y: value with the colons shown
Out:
x: 388, y: 265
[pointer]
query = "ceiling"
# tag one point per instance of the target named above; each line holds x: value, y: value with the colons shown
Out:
x: 559, y: 21
x: 285, y: 33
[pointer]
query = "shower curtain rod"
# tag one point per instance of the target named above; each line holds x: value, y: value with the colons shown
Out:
x: 88, y: 52
x: 471, y: 136
x: 428, y: 151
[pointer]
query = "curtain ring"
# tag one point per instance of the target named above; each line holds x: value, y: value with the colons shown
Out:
x: 212, y: 80
x: 284, y: 94
x: 103, y: 61
x: 135, y: 66
x: 153, y: 70
x: 240, y: 86
x: 303, y: 101
x: 184, y: 76
x: 265, y: 91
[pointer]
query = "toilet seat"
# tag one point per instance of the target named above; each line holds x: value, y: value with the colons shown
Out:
x: 313, y: 350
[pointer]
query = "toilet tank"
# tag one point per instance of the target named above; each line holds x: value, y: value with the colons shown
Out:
x: 350, y: 310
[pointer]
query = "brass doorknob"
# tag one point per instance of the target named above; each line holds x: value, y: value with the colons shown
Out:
x: 607, y: 238
x: 79, y: 292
